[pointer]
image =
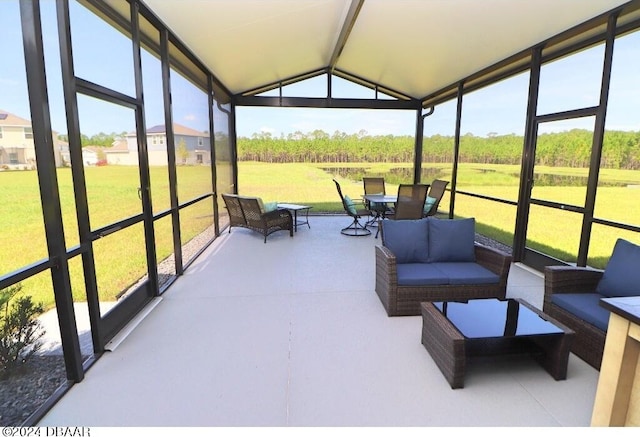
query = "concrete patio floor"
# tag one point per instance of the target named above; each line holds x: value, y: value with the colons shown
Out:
x: 292, y: 334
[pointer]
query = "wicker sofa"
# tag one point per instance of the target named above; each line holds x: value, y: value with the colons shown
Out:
x: 435, y: 260
x: 572, y: 296
x: 251, y: 213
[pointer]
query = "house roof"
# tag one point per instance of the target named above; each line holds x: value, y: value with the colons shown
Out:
x: 410, y: 48
x: 92, y: 149
x: 118, y: 146
x: 178, y: 129
x: 9, y: 119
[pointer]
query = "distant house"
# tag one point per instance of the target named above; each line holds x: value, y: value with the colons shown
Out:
x: 65, y: 155
x: 17, y: 148
x: 192, y: 147
x: 91, y: 155
x: 119, y: 153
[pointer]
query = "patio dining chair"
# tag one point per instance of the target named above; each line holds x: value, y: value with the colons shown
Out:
x: 355, y: 229
x: 375, y: 185
x: 410, y: 203
x: 434, y: 196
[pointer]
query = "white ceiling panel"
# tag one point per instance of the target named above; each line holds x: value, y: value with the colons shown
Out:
x: 249, y: 43
x: 419, y: 46
x: 415, y: 47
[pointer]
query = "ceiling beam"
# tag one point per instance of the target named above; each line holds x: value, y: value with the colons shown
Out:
x: 347, y: 26
x: 319, y: 102
x: 283, y: 82
x: 374, y: 86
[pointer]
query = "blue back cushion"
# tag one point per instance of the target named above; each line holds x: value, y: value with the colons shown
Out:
x: 407, y: 239
x: 452, y: 240
x: 621, y: 277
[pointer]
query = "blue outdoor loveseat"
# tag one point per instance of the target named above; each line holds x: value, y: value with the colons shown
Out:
x: 435, y: 260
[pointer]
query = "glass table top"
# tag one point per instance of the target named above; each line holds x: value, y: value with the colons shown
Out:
x: 487, y: 318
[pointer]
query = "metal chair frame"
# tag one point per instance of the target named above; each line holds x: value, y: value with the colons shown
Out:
x: 437, y: 190
x: 355, y: 229
x: 374, y: 185
x: 410, y: 204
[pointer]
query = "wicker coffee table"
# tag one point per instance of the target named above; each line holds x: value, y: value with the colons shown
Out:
x: 452, y: 332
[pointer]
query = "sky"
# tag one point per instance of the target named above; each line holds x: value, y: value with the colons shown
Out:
x: 104, y: 56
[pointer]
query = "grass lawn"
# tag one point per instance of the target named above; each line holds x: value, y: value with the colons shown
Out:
x: 555, y: 232
x: 120, y: 257
x: 112, y: 193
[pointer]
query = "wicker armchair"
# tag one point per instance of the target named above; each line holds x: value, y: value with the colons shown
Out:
x: 589, y: 340
x: 247, y: 212
x: 572, y: 295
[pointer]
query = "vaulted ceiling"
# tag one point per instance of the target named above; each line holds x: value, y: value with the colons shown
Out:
x: 411, y: 47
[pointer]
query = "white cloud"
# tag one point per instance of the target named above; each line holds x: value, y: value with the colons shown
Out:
x: 11, y: 82
x: 267, y: 129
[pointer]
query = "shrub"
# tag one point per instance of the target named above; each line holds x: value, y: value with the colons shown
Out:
x: 20, y: 330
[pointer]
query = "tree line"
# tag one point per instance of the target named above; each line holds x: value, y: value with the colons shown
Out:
x: 100, y: 139
x: 572, y: 148
x: 621, y: 149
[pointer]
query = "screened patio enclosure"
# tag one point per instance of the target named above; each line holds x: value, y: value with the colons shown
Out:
x: 114, y: 219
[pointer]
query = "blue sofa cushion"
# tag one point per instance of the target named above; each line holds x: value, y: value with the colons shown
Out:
x: 407, y: 239
x: 621, y: 277
x: 585, y: 306
x: 416, y: 274
x: 452, y: 240
x: 467, y: 273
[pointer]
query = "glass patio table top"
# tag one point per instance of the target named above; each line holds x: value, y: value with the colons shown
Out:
x: 485, y: 318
